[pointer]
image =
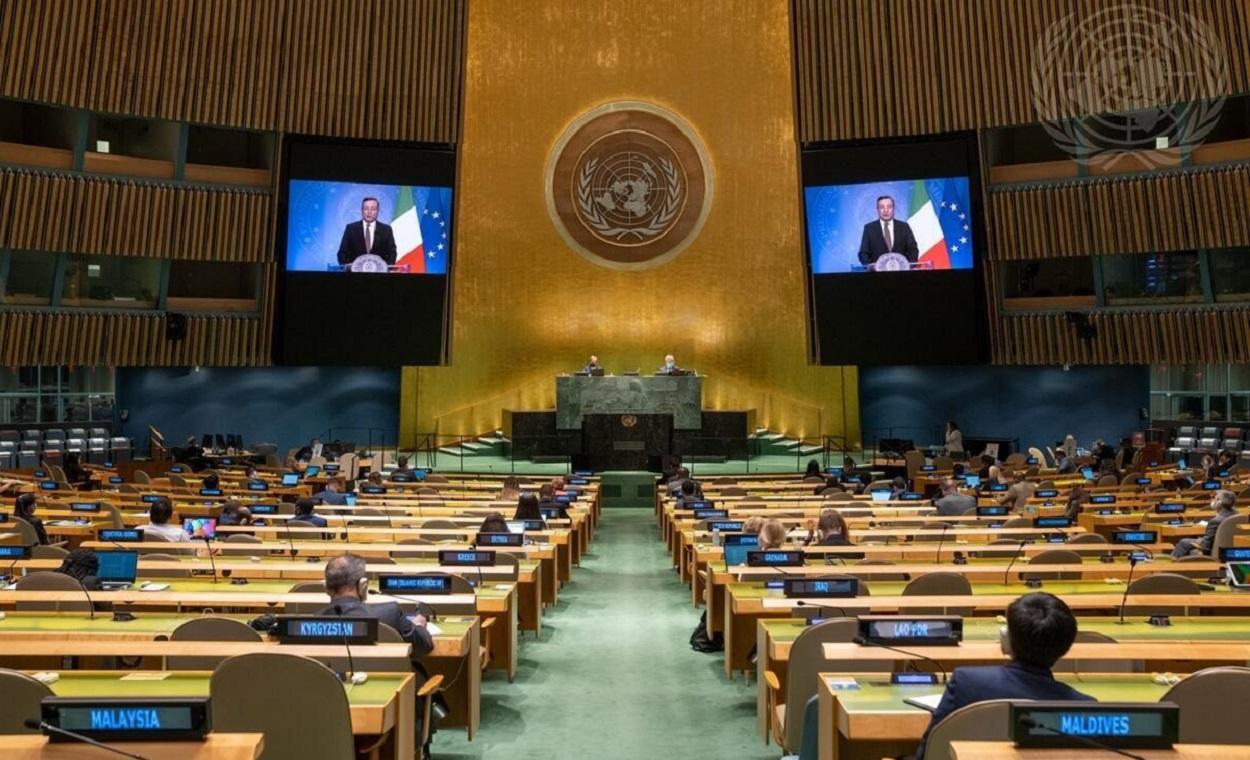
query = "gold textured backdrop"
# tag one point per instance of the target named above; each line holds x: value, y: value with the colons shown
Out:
x: 731, y: 305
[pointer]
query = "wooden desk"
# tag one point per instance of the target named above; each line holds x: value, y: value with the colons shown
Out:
x: 215, y: 747
x: 1009, y: 751
x: 873, y: 721
x: 383, y: 704
x: 747, y: 603
x: 368, y: 657
x: 1223, y: 652
x: 775, y: 637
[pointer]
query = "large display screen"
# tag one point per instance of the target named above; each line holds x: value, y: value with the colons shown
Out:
x: 894, y: 240
x: 901, y: 225
x: 365, y: 227
x: 367, y: 252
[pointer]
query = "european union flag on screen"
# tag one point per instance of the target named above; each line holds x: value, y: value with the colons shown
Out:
x: 950, y: 199
x: 435, y: 206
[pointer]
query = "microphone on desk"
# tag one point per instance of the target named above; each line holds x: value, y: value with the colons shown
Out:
x: 286, y: 530
x: 941, y: 539
x: 863, y: 642
x: 1014, y: 557
x: 353, y: 676
x: 1028, y: 722
x: 212, y: 564
x: 35, y: 724
x: 1149, y: 554
x: 1132, y: 566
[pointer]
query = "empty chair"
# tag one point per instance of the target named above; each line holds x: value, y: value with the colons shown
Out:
x: 32, y: 435
x: 1096, y: 665
x: 435, y: 478
x: 97, y: 450
x: 208, y: 629
x: 939, y: 584
x: 9, y: 436
x: 25, y: 531
x: 119, y: 450
x: 95, y: 432
x: 163, y: 557
x: 1210, y: 713
x: 28, y: 456
x: 49, y: 581
x: 1227, y: 530
x: 983, y: 721
x: 724, y: 481
x: 416, y: 553
x: 1053, y: 557
x: 142, y: 477
x: 1088, y: 538
x: 48, y: 552
x: 316, y: 726
x: 242, y: 544
x: 22, y: 698
x: 837, y: 495
x: 308, y: 608
x: 440, y: 524
x: 944, y: 463
x: 1160, y: 584
x: 734, y: 491
x: 807, y: 659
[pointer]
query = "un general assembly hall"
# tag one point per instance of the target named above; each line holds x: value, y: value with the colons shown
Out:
x: 619, y: 379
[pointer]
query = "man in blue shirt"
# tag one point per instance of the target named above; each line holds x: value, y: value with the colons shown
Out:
x: 304, y: 513
x: 1040, y: 630
x: 332, y: 495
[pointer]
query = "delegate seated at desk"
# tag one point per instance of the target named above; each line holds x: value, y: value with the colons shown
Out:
x: 332, y: 495
x: 158, y: 525
x: 1040, y: 630
x: 592, y: 367
x: 304, y: 513
x: 952, y: 502
x: 1225, y: 505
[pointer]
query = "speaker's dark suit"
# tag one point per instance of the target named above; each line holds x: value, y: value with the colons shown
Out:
x: 872, y: 244
x: 352, y: 246
x: 1011, y: 681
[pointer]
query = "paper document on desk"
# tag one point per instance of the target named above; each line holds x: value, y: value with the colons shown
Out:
x: 929, y: 703
x: 433, y: 629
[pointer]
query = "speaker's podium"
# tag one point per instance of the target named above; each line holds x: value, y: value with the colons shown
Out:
x: 627, y: 422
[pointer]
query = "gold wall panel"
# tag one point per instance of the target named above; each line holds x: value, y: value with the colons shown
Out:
x: 731, y: 305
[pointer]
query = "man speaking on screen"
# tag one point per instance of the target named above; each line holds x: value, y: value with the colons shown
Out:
x: 368, y: 236
x: 887, y: 235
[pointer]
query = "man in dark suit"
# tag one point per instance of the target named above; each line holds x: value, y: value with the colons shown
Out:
x: 367, y: 236
x: 886, y: 235
x: 347, y: 583
x: 1040, y: 630
x: 304, y: 512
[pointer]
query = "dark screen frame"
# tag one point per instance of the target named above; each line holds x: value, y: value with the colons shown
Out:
x: 345, y: 319
x: 861, y: 319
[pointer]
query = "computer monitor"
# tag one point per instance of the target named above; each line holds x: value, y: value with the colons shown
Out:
x: 972, y: 481
x: 516, y: 526
x: 737, y: 555
x: 312, y: 470
x: 117, y: 568
x: 290, y: 478
x: 200, y: 527
x: 1087, y: 473
x: 879, y: 496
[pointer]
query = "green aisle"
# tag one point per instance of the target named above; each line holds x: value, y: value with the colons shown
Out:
x: 614, y: 676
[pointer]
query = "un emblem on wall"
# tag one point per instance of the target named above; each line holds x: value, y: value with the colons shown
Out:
x: 628, y: 185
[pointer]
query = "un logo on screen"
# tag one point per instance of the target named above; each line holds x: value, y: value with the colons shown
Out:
x: 628, y: 185
x: 369, y: 263
x: 891, y: 262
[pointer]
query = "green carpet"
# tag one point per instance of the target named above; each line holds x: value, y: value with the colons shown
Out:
x: 613, y: 675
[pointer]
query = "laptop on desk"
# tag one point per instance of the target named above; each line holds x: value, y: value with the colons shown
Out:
x: 117, y: 569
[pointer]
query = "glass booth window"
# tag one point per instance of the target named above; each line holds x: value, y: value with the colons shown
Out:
x: 1155, y: 278
x: 30, y: 395
x: 118, y: 282
x: 29, y: 279
x: 1230, y: 273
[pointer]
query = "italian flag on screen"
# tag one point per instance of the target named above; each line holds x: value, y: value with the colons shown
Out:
x: 409, y: 246
x: 930, y: 240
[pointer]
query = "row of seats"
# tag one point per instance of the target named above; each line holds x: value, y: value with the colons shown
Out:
x: 30, y: 453
x: 1189, y: 438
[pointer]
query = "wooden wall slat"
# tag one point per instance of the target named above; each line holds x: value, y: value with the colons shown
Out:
x: 878, y: 69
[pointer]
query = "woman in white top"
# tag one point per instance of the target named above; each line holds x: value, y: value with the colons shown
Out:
x: 158, y: 526
x: 954, y: 441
